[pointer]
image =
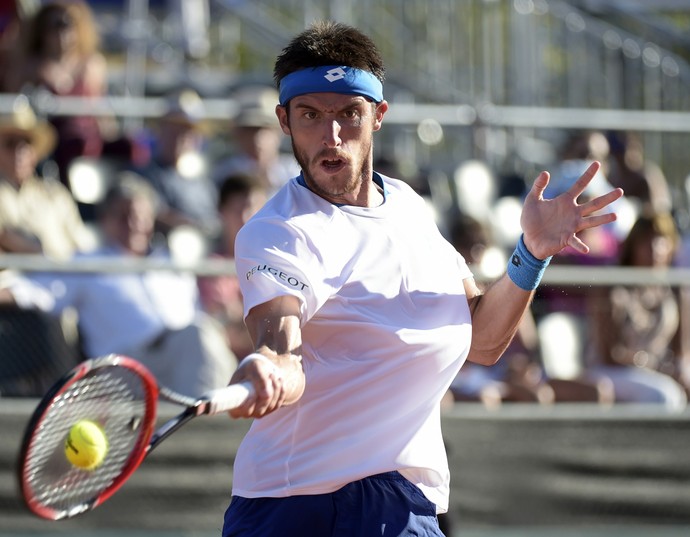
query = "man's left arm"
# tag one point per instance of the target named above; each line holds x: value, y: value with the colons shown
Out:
x: 549, y: 225
x: 496, y: 316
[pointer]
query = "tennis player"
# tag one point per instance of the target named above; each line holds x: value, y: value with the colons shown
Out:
x: 362, y: 314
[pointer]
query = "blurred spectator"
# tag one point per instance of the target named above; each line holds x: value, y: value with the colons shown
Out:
x: 255, y: 140
x: 11, y: 14
x: 60, y: 55
x: 178, y: 167
x: 518, y: 376
x: 579, y: 150
x: 240, y: 197
x: 639, y: 337
x: 642, y: 179
x: 566, y: 311
x: 152, y: 316
x: 37, y: 215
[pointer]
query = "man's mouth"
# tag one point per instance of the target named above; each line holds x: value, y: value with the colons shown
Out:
x: 332, y: 164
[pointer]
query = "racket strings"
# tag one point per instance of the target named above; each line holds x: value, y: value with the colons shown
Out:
x: 113, y: 397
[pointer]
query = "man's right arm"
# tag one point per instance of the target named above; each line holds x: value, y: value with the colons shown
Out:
x: 275, y: 368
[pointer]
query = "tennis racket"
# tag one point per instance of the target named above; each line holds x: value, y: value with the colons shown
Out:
x: 122, y: 396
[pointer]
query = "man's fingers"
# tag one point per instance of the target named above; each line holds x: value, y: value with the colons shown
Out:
x: 601, y: 202
x: 575, y: 243
x: 580, y: 185
x: 262, y: 399
x: 271, y: 397
x: 540, y: 184
x: 245, y: 410
x: 599, y: 220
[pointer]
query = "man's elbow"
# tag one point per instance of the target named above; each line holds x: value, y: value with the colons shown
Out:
x: 486, y: 356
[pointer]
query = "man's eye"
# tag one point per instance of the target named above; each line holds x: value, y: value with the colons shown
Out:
x: 310, y: 115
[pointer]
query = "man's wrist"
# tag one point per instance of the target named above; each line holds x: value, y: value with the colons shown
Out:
x: 256, y: 357
x: 524, y: 269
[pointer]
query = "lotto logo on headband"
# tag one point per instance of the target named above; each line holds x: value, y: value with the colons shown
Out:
x: 335, y: 74
x: 331, y: 79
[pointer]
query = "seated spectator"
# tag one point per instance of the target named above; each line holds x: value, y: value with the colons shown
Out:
x: 152, y: 316
x: 255, y: 142
x: 639, y: 333
x: 11, y: 12
x: 59, y: 54
x: 177, y: 169
x: 240, y: 197
x: 37, y: 215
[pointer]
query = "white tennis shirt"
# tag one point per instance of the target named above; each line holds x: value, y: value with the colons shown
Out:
x: 385, y: 329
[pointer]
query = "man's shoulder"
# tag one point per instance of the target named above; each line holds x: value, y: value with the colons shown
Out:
x: 292, y: 200
x: 399, y: 185
x: 402, y: 195
x: 291, y: 212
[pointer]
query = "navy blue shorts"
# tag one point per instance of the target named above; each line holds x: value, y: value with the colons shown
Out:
x: 385, y: 505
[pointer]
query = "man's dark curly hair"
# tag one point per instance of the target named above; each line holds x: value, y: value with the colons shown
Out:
x: 329, y: 43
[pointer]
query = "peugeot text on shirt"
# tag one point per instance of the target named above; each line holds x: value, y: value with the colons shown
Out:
x: 291, y: 280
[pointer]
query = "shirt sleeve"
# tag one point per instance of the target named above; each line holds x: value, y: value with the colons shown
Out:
x: 274, y: 260
x: 465, y: 271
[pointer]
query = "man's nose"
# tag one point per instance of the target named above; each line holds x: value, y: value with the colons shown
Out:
x: 331, y: 136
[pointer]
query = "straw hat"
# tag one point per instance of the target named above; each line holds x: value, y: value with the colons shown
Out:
x: 23, y: 122
x: 256, y: 108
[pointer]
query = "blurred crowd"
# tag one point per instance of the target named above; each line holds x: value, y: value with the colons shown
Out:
x: 605, y: 344
x: 79, y: 187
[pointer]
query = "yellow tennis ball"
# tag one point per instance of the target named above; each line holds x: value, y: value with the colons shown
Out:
x: 86, y: 445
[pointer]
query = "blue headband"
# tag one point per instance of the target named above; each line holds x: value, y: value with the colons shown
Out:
x: 330, y: 78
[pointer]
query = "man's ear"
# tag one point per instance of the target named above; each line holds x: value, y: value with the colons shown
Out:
x: 381, y: 109
x: 282, y: 113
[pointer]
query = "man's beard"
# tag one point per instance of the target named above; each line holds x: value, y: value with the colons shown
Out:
x: 352, y: 184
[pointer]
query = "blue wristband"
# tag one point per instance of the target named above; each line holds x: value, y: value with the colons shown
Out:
x: 524, y: 269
